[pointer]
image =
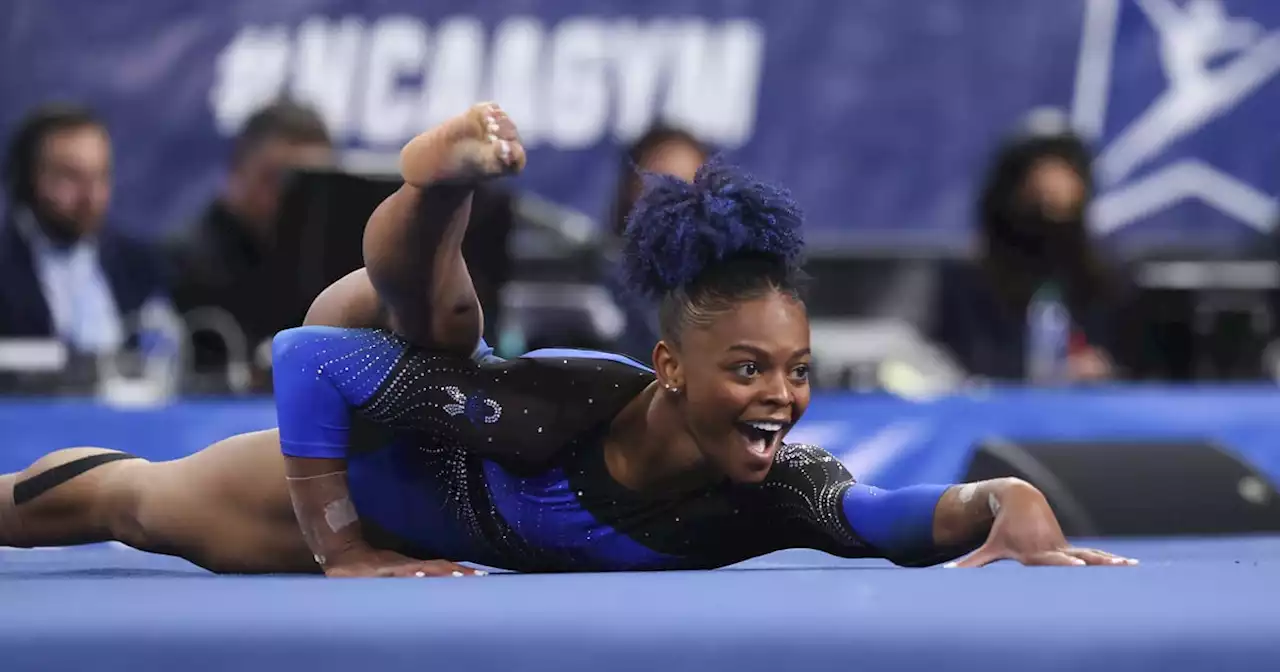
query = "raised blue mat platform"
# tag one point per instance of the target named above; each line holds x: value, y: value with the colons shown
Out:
x: 882, y: 439
x: 1211, y: 605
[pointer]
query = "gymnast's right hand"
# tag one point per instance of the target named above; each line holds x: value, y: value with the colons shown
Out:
x: 380, y: 563
x: 482, y: 143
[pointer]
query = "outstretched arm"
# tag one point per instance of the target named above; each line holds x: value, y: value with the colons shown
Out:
x: 919, y: 525
x: 413, y: 241
x: 1004, y: 519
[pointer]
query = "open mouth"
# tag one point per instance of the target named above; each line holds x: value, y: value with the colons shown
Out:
x: 762, y: 436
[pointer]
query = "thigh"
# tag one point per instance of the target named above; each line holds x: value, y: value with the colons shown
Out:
x: 226, y: 508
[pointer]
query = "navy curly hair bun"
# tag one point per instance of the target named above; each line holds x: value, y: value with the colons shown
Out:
x: 678, y: 230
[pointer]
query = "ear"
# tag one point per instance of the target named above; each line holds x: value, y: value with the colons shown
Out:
x: 666, y: 363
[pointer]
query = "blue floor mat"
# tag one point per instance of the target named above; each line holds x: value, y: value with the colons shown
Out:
x: 1193, y: 605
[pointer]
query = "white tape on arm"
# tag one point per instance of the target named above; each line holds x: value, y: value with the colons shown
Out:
x: 340, y: 514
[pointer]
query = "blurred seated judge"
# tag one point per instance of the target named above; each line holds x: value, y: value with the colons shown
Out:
x: 1039, y: 282
x: 663, y: 150
x: 64, y: 274
x: 217, y: 261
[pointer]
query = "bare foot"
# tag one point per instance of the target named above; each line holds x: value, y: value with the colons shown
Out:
x: 481, y: 144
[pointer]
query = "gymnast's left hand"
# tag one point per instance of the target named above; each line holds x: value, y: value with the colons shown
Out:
x: 1025, y: 530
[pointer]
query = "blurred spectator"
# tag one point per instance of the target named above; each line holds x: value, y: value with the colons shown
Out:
x: 62, y: 273
x: 1033, y: 236
x: 662, y: 150
x: 215, y: 260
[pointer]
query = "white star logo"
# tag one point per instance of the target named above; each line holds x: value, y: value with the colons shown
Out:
x: 1191, y: 36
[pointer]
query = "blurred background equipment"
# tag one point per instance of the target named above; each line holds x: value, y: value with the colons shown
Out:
x: 1136, y: 489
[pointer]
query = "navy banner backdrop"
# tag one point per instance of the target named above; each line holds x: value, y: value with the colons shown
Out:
x: 878, y: 113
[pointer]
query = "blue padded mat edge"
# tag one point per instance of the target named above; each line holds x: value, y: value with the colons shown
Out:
x: 1208, y: 604
x: 117, y: 560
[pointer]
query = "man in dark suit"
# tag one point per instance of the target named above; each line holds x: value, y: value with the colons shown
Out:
x: 63, y: 275
x: 221, y: 262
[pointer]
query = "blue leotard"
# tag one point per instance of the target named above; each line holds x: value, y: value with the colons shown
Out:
x: 499, y: 462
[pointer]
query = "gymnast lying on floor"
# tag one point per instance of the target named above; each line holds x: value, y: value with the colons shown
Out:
x: 407, y: 449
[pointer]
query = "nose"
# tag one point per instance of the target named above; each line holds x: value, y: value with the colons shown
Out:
x: 777, y: 390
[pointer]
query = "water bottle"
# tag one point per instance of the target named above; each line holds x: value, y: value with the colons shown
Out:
x: 157, y: 375
x: 159, y: 344
x: 1048, y: 337
x: 511, y: 341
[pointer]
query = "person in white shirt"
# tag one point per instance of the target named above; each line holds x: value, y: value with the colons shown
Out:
x: 63, y: 274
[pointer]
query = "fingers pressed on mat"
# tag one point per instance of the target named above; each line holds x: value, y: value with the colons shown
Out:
x: 437, y: 569
x: 1096, y: 557
x: 979, y: 558
x: 1054, y: 559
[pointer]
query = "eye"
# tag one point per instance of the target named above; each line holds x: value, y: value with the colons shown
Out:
x: 747, y: 370
x: 801, y: 372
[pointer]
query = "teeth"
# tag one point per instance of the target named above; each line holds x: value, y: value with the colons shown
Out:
x: 767, y: 426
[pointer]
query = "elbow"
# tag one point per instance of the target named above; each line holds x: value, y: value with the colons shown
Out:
x: 294, y: 350
x: 311, y: 413
x: 286, y: 345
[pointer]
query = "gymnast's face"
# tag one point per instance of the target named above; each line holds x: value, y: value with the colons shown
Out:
x: 744, y: 381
